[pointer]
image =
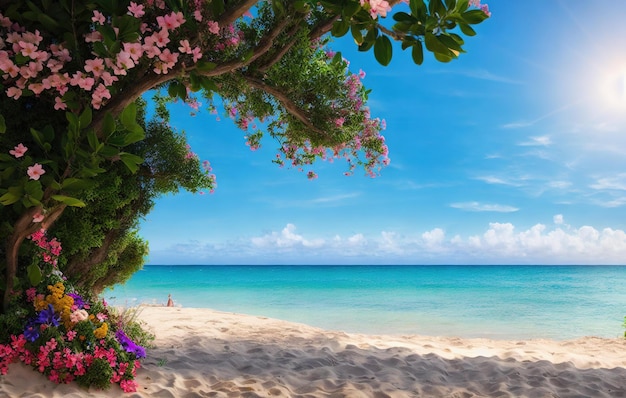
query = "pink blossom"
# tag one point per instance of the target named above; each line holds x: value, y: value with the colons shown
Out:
x: 196, y: 54
x: 38, y: 217
x: 134, y: 50
x: 71, y: 334
x: 214, y: 27
x: 128, y: 385
x: 93, y: 37
x: 184, y: 47
x: 59, y: 105
x: 95, y: 66
x: 377, y: 7
x: 197, y: 15
x: 171, y: 21
x: 98, y: 17
x: 30, y: 294
x: 18, y: 151
x: 136, y: 10
x: 161, y: 38
x: 14, y: 92
x: 27, y: 49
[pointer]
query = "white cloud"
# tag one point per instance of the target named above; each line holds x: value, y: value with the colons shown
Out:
x: 287, y: 238
x: 543, y: 140
x: 617, y: 182
x: 481, y: 207
x: 500, y: 243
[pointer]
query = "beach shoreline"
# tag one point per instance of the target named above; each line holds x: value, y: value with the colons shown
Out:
x: 208, y: 353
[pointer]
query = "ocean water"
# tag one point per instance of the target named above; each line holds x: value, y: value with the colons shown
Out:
x: 500, y: 302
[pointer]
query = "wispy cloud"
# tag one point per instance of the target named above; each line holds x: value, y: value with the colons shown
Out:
x: 617, y: 182
x: 543, y: 140
x: 335, y: 198
x: 498, y: 181
x: 481, y: 207
x: 528, y: 123
x: 481, y: 74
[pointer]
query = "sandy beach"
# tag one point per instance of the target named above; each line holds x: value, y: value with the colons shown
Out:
x: 206, y: 353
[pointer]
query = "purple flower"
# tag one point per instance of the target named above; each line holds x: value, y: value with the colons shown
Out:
x: 31, y: 332
x: 48, y: 317
x: 129, y: 345
x: 78, y: 300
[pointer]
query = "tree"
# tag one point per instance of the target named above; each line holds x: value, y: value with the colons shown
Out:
x: 73, y: 70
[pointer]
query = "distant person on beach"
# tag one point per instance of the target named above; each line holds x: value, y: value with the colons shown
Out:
x: 170, y: 302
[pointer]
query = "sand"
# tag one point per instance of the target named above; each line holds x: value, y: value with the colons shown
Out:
x: 206, y: 353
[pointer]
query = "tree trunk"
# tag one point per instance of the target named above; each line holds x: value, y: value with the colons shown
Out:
x: 21, y: 230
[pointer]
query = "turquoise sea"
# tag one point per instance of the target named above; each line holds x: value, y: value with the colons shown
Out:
x: 501, y: 302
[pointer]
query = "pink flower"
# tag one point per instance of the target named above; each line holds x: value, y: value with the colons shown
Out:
x: 38, y: 217
x: 98, y: 17
x: 18, y: 151
x: 30, y: 294
x: 59, y: 104
x: 95, y: 66
x: 71, y: 334
x: 136, y: 10
x: 197, y: 15
x: 78, y: 315
x: 378, y: 7
x: 14, y: 92
x: 35, y: 171
x: 128, y: 385
x: 214, y: 27
x: 184, y: 47
x: 101, y: 317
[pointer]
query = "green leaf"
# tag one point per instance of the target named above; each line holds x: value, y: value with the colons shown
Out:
x: 350, y: 9
x: 13, y: 195
x: 34, y: 274
x: 33, y: 188
x: 108, y: 125
x: 417, y: 53
x: 474, y: 16
x: 131, y: 161
x: 92, y: 139
x: 340, y: 28
x: 434, y: 45
x: 404, y: 17
x: 450, y: 43
x: 137, y: 134
x: 85, y: 118
x: 204, y: 66
x: 129, y: 116
x: 462, y: 5
x: 300, y: 6
x: 3, y: 125
x: 418, y: 8
x: 357, y: 35
x: 383, y: 50
x: 467, y: 30
x: 49, y: 23
x: 75, y: 184
x: 68, y: 200
x: 73, y: 122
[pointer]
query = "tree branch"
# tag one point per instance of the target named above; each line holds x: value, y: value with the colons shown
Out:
x: 284, y: 50
x: 231, y: 15
x: 286, y: 102
x: 264, y: 45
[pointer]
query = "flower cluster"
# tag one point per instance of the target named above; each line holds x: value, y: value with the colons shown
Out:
x: 68, y: 337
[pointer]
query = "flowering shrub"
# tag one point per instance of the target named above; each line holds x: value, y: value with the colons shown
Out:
x: 67, y: 336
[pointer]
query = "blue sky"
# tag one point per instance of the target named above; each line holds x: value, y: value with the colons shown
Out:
x: 513, y: 154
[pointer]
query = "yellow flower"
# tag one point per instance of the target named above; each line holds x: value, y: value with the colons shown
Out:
x: 101, y: 331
